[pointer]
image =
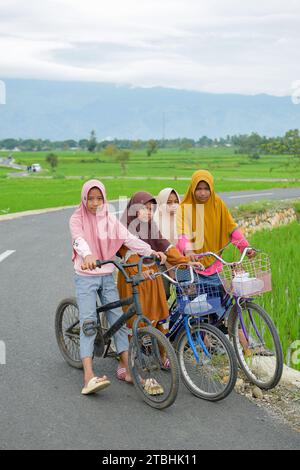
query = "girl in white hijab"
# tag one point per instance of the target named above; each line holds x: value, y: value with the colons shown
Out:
x: 168, y: 201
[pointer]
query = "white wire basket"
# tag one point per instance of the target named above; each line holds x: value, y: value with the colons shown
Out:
x: 248, y: 278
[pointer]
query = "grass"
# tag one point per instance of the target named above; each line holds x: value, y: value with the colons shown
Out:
x: 283, y: 303
x: 56, y: 189
x: 222, y: 162
x: 254, y: 208
x: 21, y: 194
x: 5, y: 170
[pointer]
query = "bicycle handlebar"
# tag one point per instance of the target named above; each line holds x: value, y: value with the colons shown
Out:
x: 225, y: 263
x: 202, y: 255
x: 122, y: 266
x: 173, y: 281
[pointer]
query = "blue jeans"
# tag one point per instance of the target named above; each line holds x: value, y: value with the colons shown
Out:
x: 87, y: 288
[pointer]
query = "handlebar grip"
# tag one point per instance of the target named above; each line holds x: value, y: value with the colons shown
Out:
x: 151, y: 258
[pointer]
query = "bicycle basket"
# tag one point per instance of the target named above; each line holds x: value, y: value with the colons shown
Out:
x: 248, y: 278
x: 203, y: 297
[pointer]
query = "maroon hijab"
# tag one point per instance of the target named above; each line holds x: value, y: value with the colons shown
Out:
x: 146, y: 231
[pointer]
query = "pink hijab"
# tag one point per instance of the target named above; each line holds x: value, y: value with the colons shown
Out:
x: 102, y: 231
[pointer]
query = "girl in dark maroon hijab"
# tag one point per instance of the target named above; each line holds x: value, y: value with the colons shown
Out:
x: 138, y: 218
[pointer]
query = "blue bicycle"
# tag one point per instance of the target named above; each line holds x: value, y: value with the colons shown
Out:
x: 206, y: 358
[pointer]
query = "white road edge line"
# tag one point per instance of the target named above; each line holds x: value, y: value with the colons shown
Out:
x: 251, y: 195
x: 6, y: 254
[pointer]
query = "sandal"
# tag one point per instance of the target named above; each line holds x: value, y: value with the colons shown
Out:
x: 152, y: 387
x: 95, y: 385
x: 258, y: 351
x: 121, y: 374
x: 262, y: 351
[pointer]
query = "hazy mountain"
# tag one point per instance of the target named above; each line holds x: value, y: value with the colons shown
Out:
x: 63, y: 110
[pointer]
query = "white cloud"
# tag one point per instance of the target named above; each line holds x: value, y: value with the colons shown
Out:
x: 215, y: 46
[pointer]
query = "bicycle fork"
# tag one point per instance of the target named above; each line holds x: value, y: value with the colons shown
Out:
x: 242, y: 323
x: 199, y: 341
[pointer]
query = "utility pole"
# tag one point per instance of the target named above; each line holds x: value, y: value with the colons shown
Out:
x: 163, y: 128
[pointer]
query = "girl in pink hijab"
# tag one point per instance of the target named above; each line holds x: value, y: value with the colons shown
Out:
x: 98, y: 234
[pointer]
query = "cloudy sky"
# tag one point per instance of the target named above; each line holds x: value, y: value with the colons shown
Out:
x: 216, y: 45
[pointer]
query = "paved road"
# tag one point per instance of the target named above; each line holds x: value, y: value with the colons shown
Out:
x: 40, y: 402
x: 246, y: 197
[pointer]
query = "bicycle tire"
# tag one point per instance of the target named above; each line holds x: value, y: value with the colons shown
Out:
x: 233, y: 327
x: 74, y: 359
x: 205, y: 328
x: 168, y: 398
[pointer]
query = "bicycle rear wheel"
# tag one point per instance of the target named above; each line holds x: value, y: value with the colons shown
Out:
x: 258, y: 349
x: 213, y: 376
x: 157, y: 387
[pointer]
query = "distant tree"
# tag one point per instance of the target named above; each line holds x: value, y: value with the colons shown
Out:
x: 289, y: 144
x: 122, y: 158
x: 137, y: 144
x: 250, y: 145
x: 186, y: 144
x: 67, y: 144
x: 28, y: 145
x: 52, y: 160
x: 111, y: 150
x: 83, y: 144
x: 152, y: 147
x: 92, y: 143
x: 10, y: 144
x: 205, y: 141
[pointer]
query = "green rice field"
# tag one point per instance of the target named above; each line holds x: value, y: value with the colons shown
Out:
x: 283, y: 303
x: 222, y: 162
x: 62, y: 187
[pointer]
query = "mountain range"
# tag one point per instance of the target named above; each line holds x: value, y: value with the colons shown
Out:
x: 70, y: 110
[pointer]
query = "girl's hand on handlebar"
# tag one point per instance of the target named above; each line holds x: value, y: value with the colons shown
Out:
x: 161, y: 256
x: 193, y: 257
x: 148, y: 274
x: 251, y: 253
x: 197, y: 265
x: 89, y: 263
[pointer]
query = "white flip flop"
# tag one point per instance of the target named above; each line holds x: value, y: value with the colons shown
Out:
x: 95, y: 386
x: 152, y: 387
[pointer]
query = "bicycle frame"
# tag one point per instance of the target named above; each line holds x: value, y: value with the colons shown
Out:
x: 183, y: 320
x: 133, y: 302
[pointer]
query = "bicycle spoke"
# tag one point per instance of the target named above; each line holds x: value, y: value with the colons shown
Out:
x: 211, y: 375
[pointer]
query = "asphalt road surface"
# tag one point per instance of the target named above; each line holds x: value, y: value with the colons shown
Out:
x: 40, y: 402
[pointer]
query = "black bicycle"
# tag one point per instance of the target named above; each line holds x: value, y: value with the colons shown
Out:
x: 148, y: 348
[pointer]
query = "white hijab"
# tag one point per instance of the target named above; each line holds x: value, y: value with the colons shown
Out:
x: 163, y: 218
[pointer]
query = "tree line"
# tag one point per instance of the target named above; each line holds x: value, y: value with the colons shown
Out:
x: 253, y: 145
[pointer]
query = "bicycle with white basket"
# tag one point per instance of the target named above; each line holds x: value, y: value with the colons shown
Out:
x: 226, y: 301
x: 252, y: 331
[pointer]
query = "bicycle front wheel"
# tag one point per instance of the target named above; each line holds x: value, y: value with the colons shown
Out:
x: 257, y: 345
x: 207, y: 362
x: 148, y: 356
x: 67, y: 331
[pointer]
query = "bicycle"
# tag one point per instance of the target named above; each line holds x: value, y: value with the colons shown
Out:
x: 254, y: 336
x: 145, y: 348
x: 206, y: 358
